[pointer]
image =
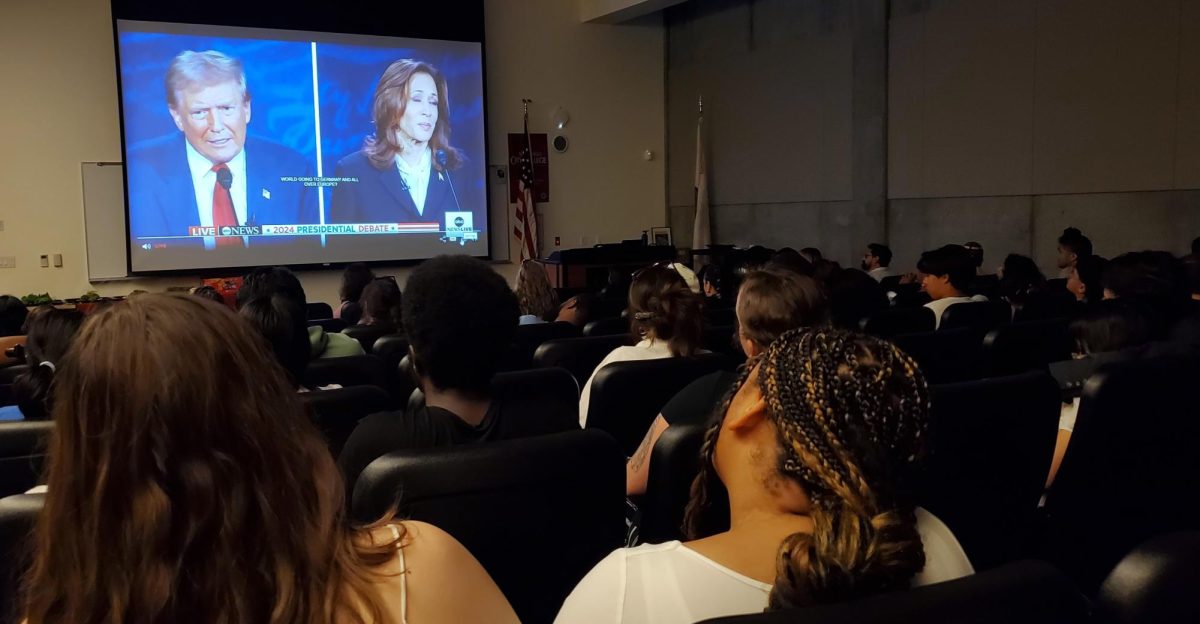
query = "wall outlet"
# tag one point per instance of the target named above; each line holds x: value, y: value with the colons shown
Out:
x: 8, y: 262
x: 45, y: 261
x: 58, y: 260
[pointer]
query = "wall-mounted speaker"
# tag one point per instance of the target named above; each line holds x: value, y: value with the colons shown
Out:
x: 561, y: 144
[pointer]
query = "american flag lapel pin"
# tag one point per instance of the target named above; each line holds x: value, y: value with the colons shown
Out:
x: 266, y: 194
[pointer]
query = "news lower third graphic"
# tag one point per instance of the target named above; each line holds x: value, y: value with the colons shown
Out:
x: 460, y: 227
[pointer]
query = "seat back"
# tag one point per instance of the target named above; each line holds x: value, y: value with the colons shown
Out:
x: 391, y: 348
x: 366, y: 335
x: 337, y: 412
x: 18, y: 516
x: 330, y: 325
x: 980, y: 316
x: 530, y: 337
x: 991, y: 446
x: 1020, y: 347
x: 1155, y: 583
x: 945, y: 356
x: 1051, y: 304
x: 354, y: 370
x: 607, y: 327
x: 544, y: 400
x: 674, y: 463
x: 626, y: 396
x: 537, y: 513
x: 580, y: 356
x: 22, y: 454
x: 1028, y: 592
x: 896, y: 321
x: 1134, y: 437
x: 319, y: 310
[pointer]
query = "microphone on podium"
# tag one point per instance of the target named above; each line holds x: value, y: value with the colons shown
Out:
x: 442, y: 159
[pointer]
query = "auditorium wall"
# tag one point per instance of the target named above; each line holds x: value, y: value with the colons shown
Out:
x: 59, y: 108
x: 1004, y: 122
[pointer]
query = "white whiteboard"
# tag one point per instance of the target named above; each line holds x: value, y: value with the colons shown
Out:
x: 104, y: 220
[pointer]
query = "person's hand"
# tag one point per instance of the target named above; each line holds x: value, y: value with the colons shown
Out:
x: 908, y: 278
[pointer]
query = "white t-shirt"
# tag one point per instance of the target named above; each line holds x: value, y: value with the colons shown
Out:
x: 879, y: 273
x: 645, y: 350
x: 940, y: 306
x: 669, y: 583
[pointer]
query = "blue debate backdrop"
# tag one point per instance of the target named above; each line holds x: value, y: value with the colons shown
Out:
x: 279, y: 77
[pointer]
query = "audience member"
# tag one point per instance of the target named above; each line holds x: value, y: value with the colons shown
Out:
x: 281, y: 323
x: 1019, y: 278
x: 1084, y: 279
x: 578, y: 310
x: 664, y: 316
x: 1196, y: 246
x: 1072, y: 246
x: 355, y: 278
x: 757, y: 256
x: 1191, y: 272
x: 1154, y: 278
x: 876, y: 261
x: 812, y: 254
x: 49, y: 333
x: 976, y: 252
x: 946, y: 272
x: 382, y: 304
x: 803, y: 496
x: 1107, y: 327
x: 210, y: 293
x: 769, y: 303
x: 824, y: 272
x: 186, y: 484
x: 460, y: 318
x: 537, y: 299
x: 12, y: 316
x: 853, y: 296
x: 710, y: 283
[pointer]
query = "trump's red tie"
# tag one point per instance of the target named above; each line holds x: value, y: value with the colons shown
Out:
x: 222, y: 208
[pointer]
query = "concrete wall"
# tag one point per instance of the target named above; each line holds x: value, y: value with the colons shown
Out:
x: 59, y: 108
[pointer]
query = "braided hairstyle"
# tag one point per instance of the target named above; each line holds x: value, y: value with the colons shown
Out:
x: 851, y: 413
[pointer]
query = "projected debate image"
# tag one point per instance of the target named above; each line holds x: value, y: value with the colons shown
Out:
x: 251, y: 147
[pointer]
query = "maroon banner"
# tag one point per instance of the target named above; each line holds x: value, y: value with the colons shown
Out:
x: 541, y: 167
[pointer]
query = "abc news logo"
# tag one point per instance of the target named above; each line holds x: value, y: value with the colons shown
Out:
x: 459, y: 222
x: 225, y: 230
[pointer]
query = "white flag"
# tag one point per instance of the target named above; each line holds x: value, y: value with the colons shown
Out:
x: 701, y: 230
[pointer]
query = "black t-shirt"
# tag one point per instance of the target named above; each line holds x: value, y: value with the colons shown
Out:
x: 699, y: 400
x: 429, y: 427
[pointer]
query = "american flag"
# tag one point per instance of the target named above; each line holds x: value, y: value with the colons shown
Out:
x: 526, y: 229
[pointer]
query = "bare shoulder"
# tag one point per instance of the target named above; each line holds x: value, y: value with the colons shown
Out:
x: 447, y: 583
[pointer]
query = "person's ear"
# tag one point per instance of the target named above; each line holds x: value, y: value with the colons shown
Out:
x: 177, y: 117
x: 746, y: 411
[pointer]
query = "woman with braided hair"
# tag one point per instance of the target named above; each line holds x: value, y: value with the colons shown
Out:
x: 802, y: 497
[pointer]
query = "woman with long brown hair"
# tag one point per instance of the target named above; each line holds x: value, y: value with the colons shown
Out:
x: 803, y: 496
x: 665, y: 318
x: 403, y: 169
x: 186, y: 484
x: 538, y: 301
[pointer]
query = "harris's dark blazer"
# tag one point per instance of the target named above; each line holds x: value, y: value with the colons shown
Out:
x: 162, y: 201
x: 381, y: 197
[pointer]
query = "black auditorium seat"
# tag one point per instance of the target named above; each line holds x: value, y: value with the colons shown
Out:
x: 366, y: 335
x: 22, y: 454
x: 1131, y: 470
x: 896, y: 321
x: 1026, y: 592
x: 990, y: 450
x: 354, y: 370
x: 674, y: 463
x: 1050, y: 304
x: 980, y: 316
x: 1155, y: 583
x: 530, y: 337
x: 1019, y: 347
x: 337, y: 412
x: 537, y: 513
x: 391, y: 348
x: 319, y: 310
x: 330, y: 325
x: 945, y: 356
x: 579, y: 356
x: 607, y: 327
x: 986, y: 285
x: 18, y: 515
x: 626, y: 396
